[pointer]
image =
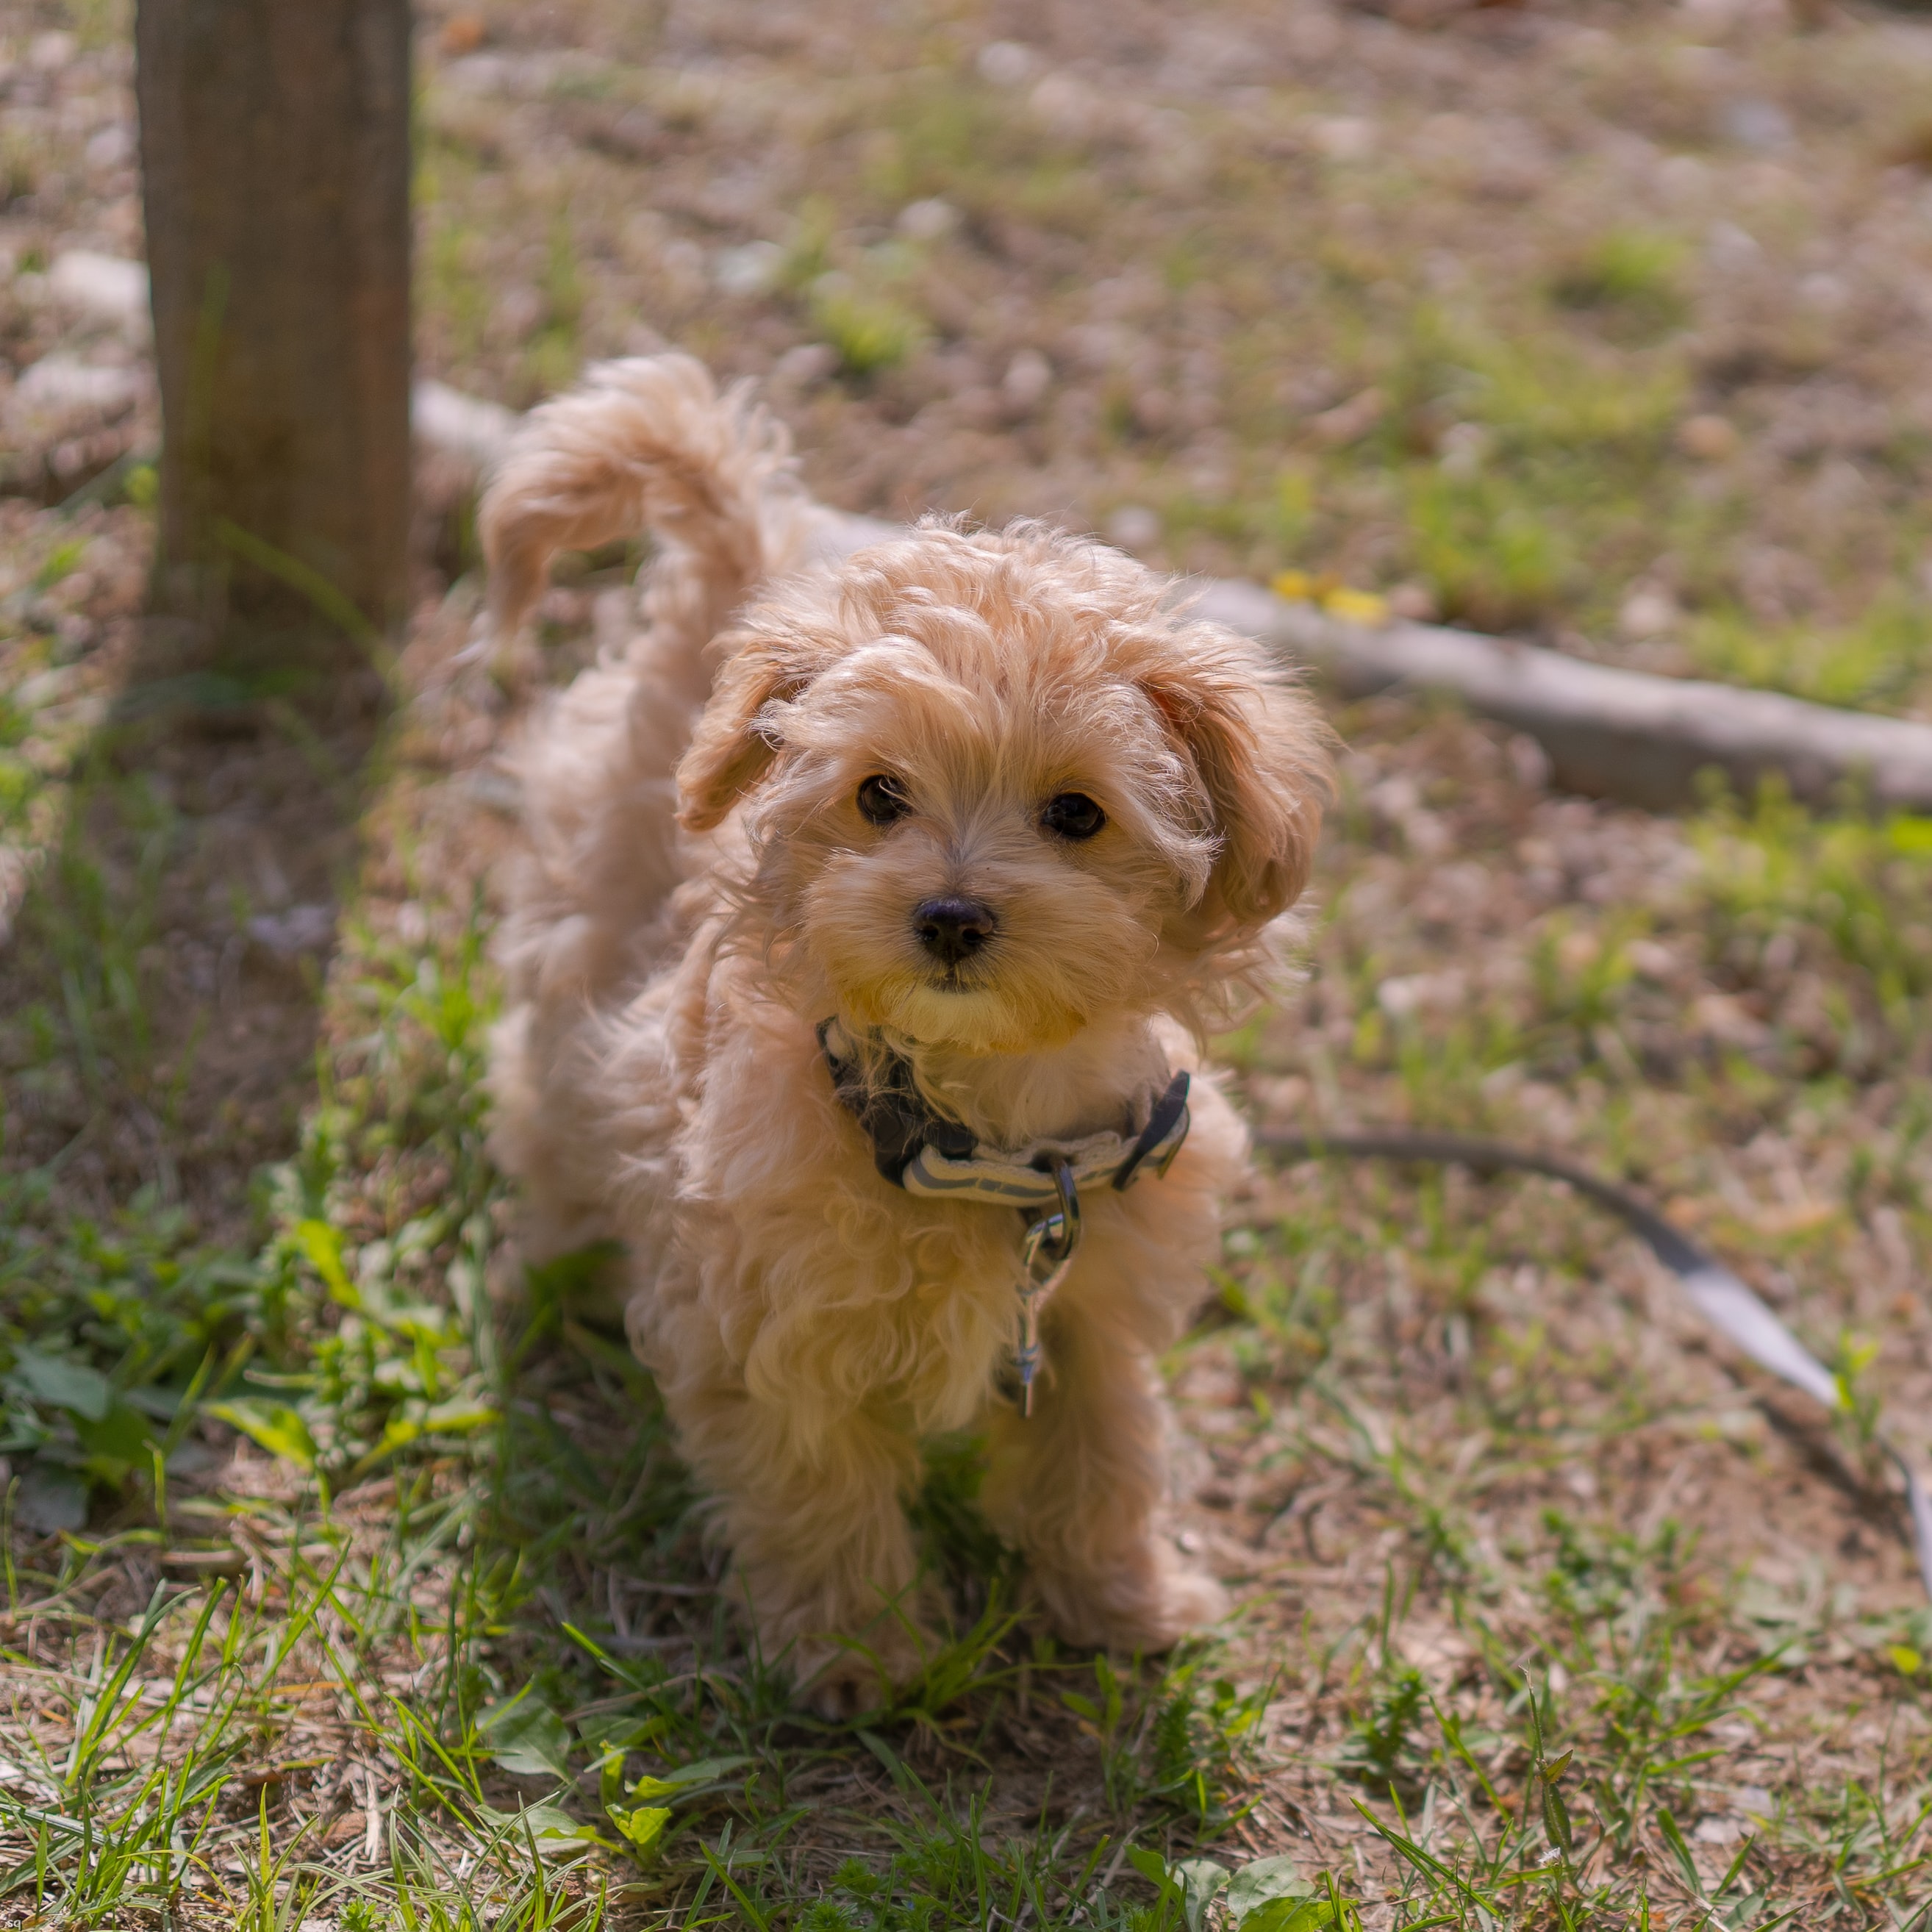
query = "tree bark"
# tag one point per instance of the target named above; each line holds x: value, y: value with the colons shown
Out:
x: 275, y: 158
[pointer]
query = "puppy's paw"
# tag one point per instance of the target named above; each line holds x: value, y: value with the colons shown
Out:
x: 1149, y: 1605
x: 1186, y: 1600
x: 843, y: 1685
x: 845, y: 1681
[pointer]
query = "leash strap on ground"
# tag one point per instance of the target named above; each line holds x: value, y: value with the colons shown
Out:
x: 1717, y: 1294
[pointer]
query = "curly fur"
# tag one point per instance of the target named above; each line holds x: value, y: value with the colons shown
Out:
x: 700, y: 889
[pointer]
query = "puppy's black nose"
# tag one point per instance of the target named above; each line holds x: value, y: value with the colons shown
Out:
x: 953, y: 929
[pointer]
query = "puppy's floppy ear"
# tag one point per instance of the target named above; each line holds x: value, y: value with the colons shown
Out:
x: 1261, y: 752
x: 732, y: 744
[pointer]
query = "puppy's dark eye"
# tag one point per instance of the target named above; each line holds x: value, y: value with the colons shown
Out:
x: 1072, y: 815
x: 882, y: 799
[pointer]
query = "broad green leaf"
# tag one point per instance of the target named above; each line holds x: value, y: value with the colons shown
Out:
x: 619, y: 1731
x: 1261, y: 1883
x: 162, y: 1404
x: 50, y: 1499
x: 526, y: 1736
x: 72, y: 1386
x: 1291, y: 1915
x: 543, y: 1821
x: 1201, y: 1882
x: 642, y: 1825
x: 275, y: 1426
x: 555, y: 1833
x: 1153, y: 1867
x: 687, y: 1777
x: 116, y: 1444
x: 700, y: 1771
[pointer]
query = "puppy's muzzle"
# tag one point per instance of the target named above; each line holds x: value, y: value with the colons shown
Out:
x: 953, y: 930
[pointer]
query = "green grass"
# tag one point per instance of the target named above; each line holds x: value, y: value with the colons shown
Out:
x: 871, y: 330
x: 428, y: 1590
x: 1495, y: 557
x: 382, y: 1359
x: 1541, y: 463
x: 946, y: 137
x: 1210, y: 276
x: 1537, y: 1591
x: 1873, y: 663
x: 1631, y: 277
x: 1519, y: 473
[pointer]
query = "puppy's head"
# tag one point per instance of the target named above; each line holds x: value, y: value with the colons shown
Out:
x: 995, y: 790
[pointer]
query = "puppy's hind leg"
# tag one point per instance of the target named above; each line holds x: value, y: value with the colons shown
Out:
x: 1077, y: 1486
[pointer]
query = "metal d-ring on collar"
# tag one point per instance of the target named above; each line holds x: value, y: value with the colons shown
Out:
x: 919, y: 1148
x: 1046, y: 1252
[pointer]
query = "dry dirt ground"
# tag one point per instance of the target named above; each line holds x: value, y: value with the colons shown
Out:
x: 1602, y: 324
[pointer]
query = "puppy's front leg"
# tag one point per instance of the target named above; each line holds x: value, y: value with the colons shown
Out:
x: 818, y: 1525
x: 1076, y: 1486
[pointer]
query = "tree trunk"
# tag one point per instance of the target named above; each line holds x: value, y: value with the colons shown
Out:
x: 275, y: 158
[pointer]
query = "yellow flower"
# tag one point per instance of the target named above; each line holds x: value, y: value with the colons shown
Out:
x: 1357, y: 606
x: 1352, y: 606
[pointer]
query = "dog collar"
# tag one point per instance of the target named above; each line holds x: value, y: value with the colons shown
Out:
x: 930, y: 1154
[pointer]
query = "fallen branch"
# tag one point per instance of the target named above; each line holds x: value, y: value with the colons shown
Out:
x: 1615, y: 733
x: 1621, y: 734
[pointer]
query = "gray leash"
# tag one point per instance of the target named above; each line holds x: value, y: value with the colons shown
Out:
x: 1717, y: 1294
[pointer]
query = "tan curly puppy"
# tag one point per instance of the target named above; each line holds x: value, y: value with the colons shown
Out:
x: 869, y: 904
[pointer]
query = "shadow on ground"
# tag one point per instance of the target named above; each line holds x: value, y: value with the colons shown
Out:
x: 160, y: 990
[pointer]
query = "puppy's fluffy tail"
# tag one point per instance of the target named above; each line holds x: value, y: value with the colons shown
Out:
x: 646, y: 443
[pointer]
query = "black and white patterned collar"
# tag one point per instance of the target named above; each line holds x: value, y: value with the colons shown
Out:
x: 928, y: 1153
